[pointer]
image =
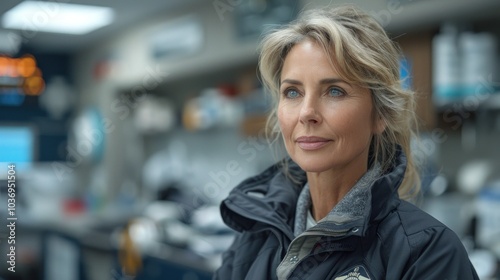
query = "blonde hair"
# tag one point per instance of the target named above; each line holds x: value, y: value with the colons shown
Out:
x: 364, y: 55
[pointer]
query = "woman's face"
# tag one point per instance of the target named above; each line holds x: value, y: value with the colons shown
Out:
x: 327, y: 124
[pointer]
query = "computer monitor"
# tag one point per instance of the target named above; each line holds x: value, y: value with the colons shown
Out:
x: 17, y: 146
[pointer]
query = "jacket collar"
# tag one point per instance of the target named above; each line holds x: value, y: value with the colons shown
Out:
x: 269, y: 199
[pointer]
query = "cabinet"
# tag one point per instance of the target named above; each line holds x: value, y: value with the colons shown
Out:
x: 417, y: 48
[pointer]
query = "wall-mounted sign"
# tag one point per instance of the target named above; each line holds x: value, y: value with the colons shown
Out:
x: 19, y: 77
x: 177, y: 38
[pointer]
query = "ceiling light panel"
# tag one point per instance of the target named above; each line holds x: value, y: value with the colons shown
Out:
x: 57, y: 17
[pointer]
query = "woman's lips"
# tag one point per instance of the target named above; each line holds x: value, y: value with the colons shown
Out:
x: 311, y: 142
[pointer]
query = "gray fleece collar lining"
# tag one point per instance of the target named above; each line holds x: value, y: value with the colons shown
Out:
x: 354, y: 205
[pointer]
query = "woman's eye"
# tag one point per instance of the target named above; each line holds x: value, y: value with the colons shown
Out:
x: 335, y: 92
x: 291, y: 93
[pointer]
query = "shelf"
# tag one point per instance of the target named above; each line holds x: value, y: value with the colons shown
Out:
x: 472, y: 103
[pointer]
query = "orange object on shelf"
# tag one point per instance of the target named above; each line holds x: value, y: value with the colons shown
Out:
x: 21, y: 74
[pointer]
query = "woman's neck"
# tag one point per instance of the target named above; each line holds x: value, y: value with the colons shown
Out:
x: 329, y: 187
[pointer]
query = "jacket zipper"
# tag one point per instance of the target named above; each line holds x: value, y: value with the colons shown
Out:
x: 306, y: 234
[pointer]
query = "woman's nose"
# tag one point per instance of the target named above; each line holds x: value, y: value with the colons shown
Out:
x: 309, y: 113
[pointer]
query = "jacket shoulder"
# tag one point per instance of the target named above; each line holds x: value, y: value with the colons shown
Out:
x: 421, y: 246
x: 415, y: 220
x: 405, y: 229
x: 406, y: 222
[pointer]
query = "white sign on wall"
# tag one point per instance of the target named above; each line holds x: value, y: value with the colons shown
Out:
x: 178, y: 38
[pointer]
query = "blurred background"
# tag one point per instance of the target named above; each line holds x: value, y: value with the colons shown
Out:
x: 128, y: 122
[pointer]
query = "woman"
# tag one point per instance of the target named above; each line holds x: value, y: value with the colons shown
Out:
x: 336, y: 208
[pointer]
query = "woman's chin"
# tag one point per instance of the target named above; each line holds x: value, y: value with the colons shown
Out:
x: 313, y: 165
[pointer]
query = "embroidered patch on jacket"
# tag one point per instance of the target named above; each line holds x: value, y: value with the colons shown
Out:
x: 355, y: 273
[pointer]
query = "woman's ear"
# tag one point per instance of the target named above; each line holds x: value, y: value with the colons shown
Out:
x: 379, y: 125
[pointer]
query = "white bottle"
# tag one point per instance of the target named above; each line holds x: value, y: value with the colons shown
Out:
x: 446, y: 66
x: 478, y: 64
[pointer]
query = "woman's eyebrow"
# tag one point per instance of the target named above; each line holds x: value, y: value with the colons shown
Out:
x: 290, y: 81
x: 323, y: 81
x: 333, y: 81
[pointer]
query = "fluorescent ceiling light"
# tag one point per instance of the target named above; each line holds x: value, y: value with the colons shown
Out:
x: 57, y: 17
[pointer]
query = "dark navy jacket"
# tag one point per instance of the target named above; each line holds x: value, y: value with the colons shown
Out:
x: 395, y: 239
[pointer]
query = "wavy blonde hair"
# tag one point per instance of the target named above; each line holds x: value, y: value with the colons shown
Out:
x: 364, y: 55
